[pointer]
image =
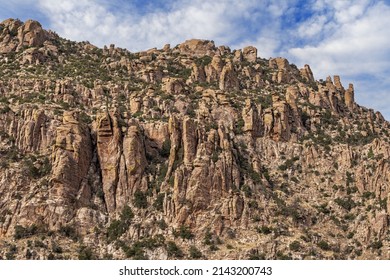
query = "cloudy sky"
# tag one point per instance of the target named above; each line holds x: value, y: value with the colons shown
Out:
x: 350, y: 38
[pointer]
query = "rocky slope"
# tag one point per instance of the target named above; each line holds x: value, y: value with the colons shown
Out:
x: 192, y: 151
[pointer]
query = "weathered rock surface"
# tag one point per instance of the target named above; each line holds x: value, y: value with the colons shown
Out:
x: 15, y: 35
x: 194, y: 144
x: 250, y: 53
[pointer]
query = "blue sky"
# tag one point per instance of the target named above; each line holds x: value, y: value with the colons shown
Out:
x: 350, y: 38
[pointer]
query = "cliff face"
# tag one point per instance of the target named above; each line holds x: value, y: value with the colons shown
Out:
x: 186, y: 152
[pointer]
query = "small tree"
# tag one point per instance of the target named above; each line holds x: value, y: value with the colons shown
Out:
x: 140, y: 199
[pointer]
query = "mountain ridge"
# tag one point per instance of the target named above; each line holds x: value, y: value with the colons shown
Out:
x: 195, y: 151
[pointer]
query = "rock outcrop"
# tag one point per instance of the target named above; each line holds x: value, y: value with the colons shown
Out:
x: 16, y: 35
x: 194, y: 146
x: 250, y: 53
x: 197, y: 47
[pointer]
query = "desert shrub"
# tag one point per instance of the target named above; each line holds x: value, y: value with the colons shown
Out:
x: 23, y: 232
x: 86, y: 253
x: 264, y: 230
x: 166, y: 148
x: 238, y: 126
x: 162, y: 224
x: 119, y: 227
x: 184, y: 232
x: 56, y: 248
x: 203, y: 61
x: 140, y: 199
x: 12, y: 250
x: 173, y: 250
x: 69, y: 231
x: 195, y: 253
x: 295, y: 246
x: 159, y: 202
x: 376, y: 245
x: 324, y: 245
x: 347, y: 204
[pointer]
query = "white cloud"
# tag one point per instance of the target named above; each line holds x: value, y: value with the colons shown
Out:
x: 358, y: 43
x: 354, y: 45
x: 94, y: 21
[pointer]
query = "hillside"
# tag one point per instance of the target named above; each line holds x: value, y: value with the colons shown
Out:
x: 186, y: 152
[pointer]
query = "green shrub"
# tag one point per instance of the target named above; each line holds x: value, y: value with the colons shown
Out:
x: 140, y: 199
x: 264, y: 230
x: 184, y: 232
x: 22, y: 232
x: 35, y: 172
x: 10, y: 255
x: 195, y: 253
x: 86, y: 253
x: 162, y: 224
x: 295, y: 246
x: 370, y: 153
x: 238, y: 126
x: 69, y: 231
x: 208, y: 238
x: 255, y: 255
x: 173, y: 250
x: 347, y: 204
x: 166, y: 148
x: 56, y: 248
x: 159, y: 202
x: 376, y: 245
x: 203, y: 61
x: 39, y: 244
x: 84, y: 118
x: 115, y: 230
x: 119, y: 227
x: 324, y: 245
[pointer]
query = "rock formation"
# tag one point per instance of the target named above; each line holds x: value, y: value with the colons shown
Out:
x: 222, y: 151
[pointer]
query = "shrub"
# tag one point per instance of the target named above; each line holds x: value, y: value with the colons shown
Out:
x: 127, y: 215
x: 166, y: 148
x: 10, y: 255
x: 136, y: 251
x: 69, y: 231
x: 295, y: 246
x: 370, y: 153
x: 119, y: 227
x: 254, y: 254
x: 195, y: 253
x: 247, y: 190
x: 56, y: 248
x: 22, y: 232
x: 39, y: 244
x: 33, y: 171
x: 281, y: 256
x: 208, y: 238
x: 376, y: 245
x: 203, y: 61
x: 184, y: 232
x: 84, y: 118
x: 85, y: 253
x: 347, y: 204
x: 304, y: 117
x: 162, y: 224
x: 324, y: 245
x: 173, y: 250
x: 140, y: 199
x: 238, y: 126
x: 264, y: 230
x: 159, y: 202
